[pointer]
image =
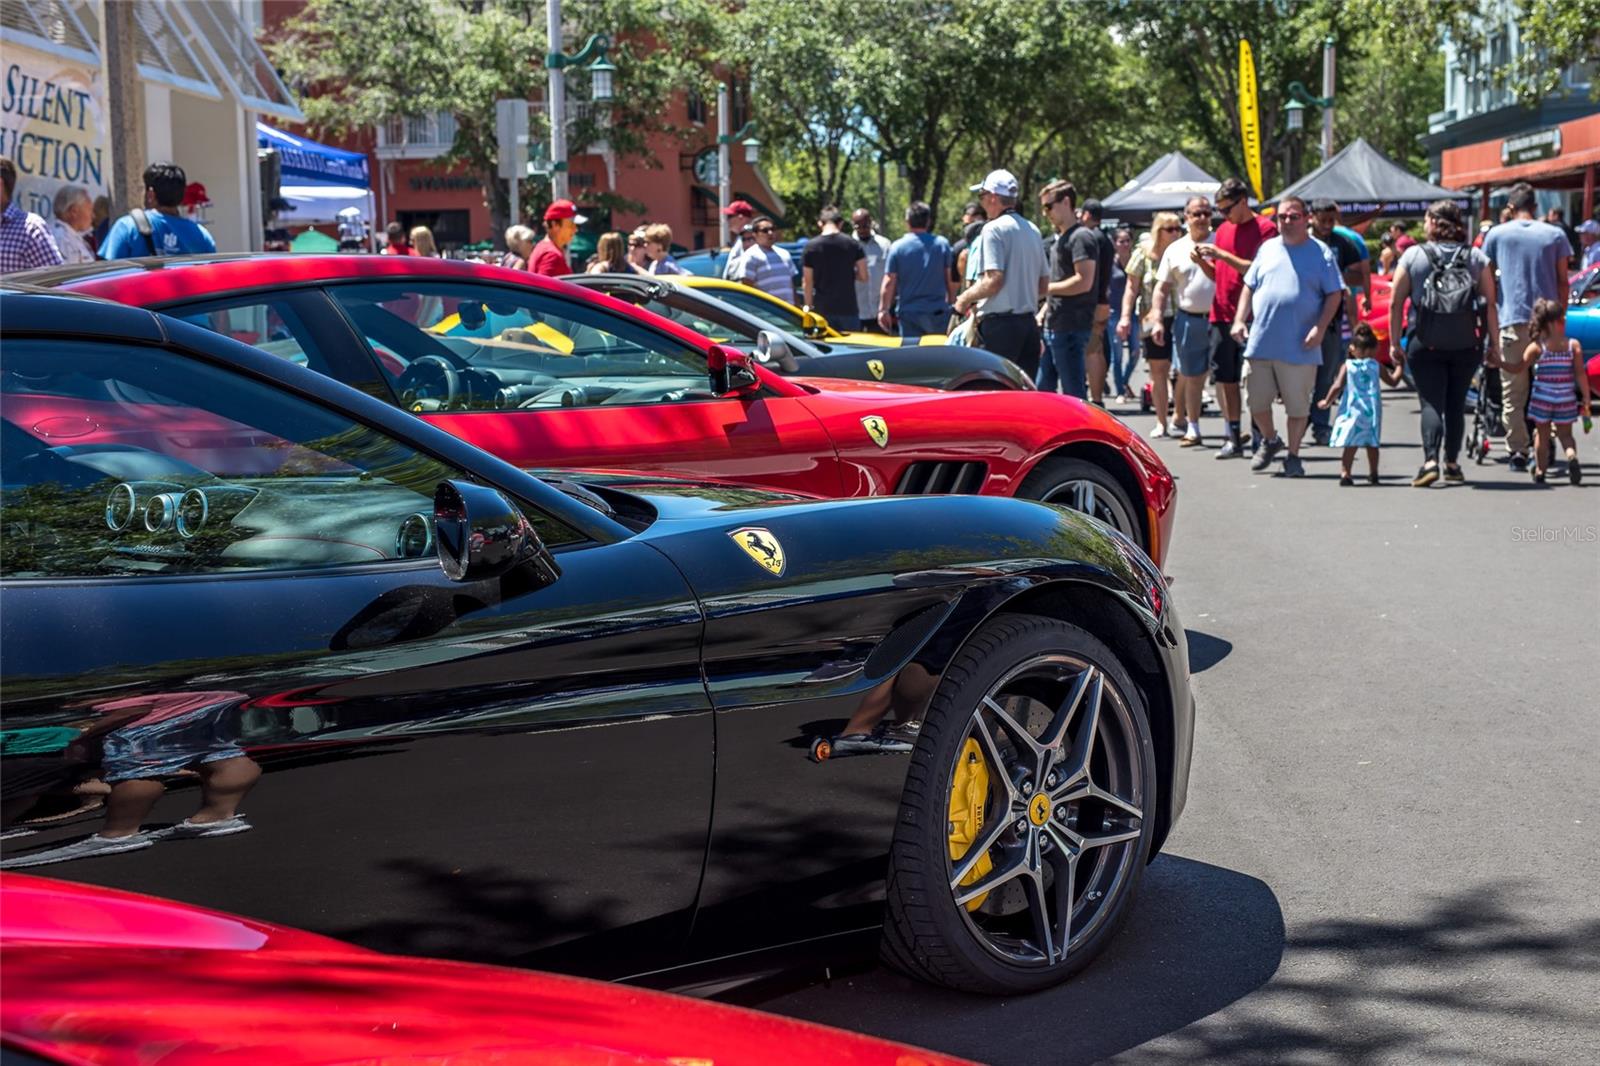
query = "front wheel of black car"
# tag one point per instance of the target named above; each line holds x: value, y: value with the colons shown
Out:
x: 1027, y: 815
x: 1080, y: 485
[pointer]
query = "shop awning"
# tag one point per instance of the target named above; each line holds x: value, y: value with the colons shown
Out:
x: 198, y: 47
x: 1364, y: 181
x: 1572, y: 147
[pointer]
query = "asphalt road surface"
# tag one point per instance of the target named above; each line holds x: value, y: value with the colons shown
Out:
x: 1390, y: 853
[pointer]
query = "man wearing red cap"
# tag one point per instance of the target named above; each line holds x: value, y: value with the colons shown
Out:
x: 740, y: 216
x: 561, y: 222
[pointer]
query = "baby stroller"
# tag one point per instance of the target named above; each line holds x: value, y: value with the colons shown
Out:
x: 1483, y: 400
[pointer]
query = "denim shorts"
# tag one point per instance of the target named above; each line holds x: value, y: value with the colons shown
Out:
x: 1191, y: 344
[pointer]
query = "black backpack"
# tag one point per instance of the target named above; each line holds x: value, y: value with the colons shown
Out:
x: 1446, y: 305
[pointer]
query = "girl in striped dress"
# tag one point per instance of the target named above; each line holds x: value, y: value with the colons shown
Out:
x: 1558, y: 383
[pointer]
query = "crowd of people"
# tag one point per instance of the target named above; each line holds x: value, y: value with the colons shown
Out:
x: 1267, y: 310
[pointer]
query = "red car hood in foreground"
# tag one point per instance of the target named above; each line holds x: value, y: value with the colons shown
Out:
x: 92, y: 975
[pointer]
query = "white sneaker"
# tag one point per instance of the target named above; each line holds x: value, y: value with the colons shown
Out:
x: 1159, y: 431
x: 186, y: 829
x: 82, y: 849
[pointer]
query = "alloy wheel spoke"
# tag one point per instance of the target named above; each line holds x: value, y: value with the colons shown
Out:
x: 1083, y: 497
x: 991, y: 752
x: 1106, y: 839
x: 1088, y: 730
x: 1065, y: 887
x: 1068, y: 710
x: 992, y: 880
x: 1039, y: 906
x: 1024, y: 740
x: 1116, y: 801
x: 979, y: 848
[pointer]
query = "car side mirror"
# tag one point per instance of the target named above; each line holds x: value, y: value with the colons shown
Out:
x: 480, y: 534
x: 813, y: 324
x: 731, y: 372
x: 773, y: 347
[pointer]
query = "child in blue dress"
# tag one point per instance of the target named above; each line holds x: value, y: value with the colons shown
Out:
x: 1359, y: 423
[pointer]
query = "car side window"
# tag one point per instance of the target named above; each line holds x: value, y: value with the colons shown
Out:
x: 123, y: 460
x: 270, y: 324
x: 465, y: 346
x: 774, y: 315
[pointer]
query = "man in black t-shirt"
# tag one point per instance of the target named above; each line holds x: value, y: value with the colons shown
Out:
x: 1068, y: 315
x: 1324, y: 217
x: 1105, y: 254
x: 971, y: 215
x: 830, y: 267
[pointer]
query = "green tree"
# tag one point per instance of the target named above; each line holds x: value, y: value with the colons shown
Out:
x: 362, y: 62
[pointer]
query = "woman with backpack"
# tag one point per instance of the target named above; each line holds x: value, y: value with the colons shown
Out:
x: 1451, y: 290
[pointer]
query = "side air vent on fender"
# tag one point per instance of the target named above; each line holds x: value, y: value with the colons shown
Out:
x: 928, y: 478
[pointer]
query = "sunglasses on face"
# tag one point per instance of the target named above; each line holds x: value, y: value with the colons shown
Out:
x: 1198, y: 214
x: 1171, y: 229
x: 1229, y: 206
x: 763, y: 229
x: 636, y: 243
x: 1291, y: 216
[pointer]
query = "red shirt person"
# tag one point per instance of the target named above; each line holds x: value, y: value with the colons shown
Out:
x: 561, y: 222
x: 398, y: 244
x: 1226, y: 259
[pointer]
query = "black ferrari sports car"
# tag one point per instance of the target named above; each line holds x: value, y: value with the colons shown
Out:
x: 272, y: 646
x: 941, y: 366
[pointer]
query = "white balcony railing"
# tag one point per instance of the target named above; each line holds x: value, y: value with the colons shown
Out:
x: 416, y: 136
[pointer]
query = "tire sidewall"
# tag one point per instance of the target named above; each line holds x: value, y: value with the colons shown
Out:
x: 1052, y: 473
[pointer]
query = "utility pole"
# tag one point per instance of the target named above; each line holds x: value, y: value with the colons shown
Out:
x: 557, y: 100
x: 724, y: 178
x: 123, y: 94
x: 1327, y: 94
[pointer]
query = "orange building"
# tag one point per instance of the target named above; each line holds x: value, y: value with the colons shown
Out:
x: 675, y: 180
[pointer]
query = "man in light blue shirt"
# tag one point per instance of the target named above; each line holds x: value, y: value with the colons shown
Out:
x: 765, y: 266
x: 164, y: 231
x: 917, y: 278
x: 1292, y: 289
x: 1531, y: 257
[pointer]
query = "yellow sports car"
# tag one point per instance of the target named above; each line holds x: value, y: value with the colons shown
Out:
x: 790, y: 319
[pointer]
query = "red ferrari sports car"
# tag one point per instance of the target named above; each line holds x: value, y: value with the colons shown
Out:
x: 94, y: 975
x: 546, y: 374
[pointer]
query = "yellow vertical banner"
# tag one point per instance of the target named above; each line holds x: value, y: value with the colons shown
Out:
x: 1250, y: 116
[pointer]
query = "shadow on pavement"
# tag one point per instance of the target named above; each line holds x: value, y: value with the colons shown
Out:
x: 1376, y: 990
x: 1205, y: 650
x: 1199, y: 938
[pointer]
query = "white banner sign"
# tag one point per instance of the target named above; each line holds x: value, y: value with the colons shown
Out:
x: 52, y: 125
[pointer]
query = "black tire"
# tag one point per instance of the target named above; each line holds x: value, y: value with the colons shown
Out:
x: 1058, y: 480
x: 929, y: 935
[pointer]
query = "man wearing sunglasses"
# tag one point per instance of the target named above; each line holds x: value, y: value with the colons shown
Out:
x: 1228, y: 256
x: 766, y: 266
x: 1290, y: 294
x: 1068, y: 315
x: 1182, y: 272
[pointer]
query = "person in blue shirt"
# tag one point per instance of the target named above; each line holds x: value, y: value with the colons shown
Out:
x: 917, y: 285
x: 169, y: 233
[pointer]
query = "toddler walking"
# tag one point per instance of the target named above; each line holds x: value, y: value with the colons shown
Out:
x: 1359, y: 423
x: 1558, y: 380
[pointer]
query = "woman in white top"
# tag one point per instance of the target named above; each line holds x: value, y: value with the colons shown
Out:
x: 74, y: 213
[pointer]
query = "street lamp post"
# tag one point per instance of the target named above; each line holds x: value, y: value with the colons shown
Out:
x: 1300, y: 98
x: 601, y: 75
x: 725, y: 142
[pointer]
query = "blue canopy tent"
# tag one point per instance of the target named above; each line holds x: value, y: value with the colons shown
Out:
x: 318, y: 180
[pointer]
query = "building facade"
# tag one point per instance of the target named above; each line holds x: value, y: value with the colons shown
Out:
x: 203, y: 81
x: 1483, y: 140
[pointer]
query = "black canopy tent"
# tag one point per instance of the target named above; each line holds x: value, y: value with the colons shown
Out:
x: 1365, y: 182
x: 1164, y: 185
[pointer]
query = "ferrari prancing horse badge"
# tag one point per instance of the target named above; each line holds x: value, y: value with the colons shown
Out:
x: 761, y: 546
x: 877, y: 429
x: 876, y: 366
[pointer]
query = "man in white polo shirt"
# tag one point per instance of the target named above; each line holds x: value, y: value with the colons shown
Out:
x: 1190, y: 278
x: 1011, y: 274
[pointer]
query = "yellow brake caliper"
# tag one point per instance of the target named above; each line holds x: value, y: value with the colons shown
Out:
x: 969, y: 794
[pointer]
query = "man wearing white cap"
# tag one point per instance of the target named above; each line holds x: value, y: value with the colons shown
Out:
x: 1589, y: 235
x: 1009, y: 264
x: 561, y: 222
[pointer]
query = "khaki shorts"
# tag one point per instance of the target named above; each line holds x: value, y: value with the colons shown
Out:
x: 1266, y: 380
